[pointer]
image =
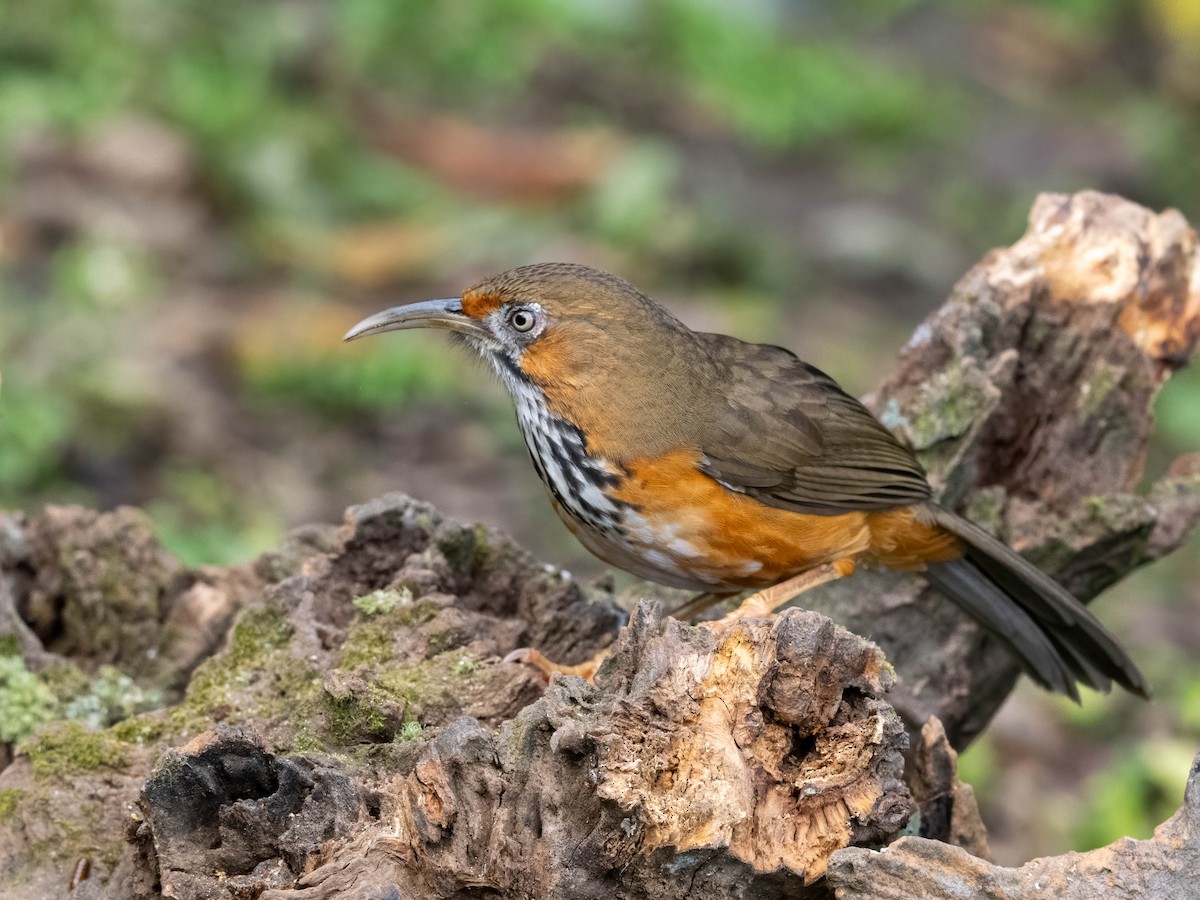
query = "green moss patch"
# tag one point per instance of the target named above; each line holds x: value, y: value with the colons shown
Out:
x: 360, y: 717
x: 259, y: 678
x: 467, y: 551
x: 1098, y: 388
x: 258, y: 631
x: 138, y: 730
x: 9, y: 798
x: 372, y: 640
x: 383, y: 601
x: 67, y: 748
x: 385, y: 703
x: 947, y: 406
x: 465, y: 665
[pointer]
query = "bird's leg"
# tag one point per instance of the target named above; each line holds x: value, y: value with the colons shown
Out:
x: 699, y: 604
x: 586, y: 669
x: 547, y: 667
x: 766, y: 601
x: 760, y: 603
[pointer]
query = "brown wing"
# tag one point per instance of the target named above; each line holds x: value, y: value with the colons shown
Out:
x: 791, y: 438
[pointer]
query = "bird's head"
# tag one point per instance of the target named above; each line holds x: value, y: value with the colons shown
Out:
x: 556, y: 325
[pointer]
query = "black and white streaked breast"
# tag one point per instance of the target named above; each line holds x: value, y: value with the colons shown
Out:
x: 581, y: 485
x: 558, y: 449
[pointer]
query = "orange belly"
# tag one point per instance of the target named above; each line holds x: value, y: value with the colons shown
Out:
x: 682, y: 519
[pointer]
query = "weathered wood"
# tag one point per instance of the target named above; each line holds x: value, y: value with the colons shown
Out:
x: 946, y: 807
x: 1167, y: 866
x: 390, y: 750
x: 360, y: 736
x: 725, y: 760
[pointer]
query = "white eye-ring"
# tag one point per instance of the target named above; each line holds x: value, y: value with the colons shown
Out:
x: 522, y: 319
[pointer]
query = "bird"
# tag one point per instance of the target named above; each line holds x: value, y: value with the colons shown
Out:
x: 703, y: 462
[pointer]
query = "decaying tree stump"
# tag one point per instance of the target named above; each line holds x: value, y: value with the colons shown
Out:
x: 682, y: 761
x: 1167, y: 866
x: 357, y: 736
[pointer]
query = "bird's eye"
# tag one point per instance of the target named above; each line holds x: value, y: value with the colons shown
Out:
x: 521, y: 320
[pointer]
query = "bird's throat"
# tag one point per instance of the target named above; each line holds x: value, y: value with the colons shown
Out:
x: 579, y: 481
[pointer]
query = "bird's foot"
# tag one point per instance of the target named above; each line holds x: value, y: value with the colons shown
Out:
x: 766, y: 601
x: 530, y: 657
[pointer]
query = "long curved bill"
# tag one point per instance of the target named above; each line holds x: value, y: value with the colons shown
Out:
x: 444, y: 314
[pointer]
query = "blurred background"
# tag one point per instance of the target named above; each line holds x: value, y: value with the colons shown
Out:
x: 197, y: 198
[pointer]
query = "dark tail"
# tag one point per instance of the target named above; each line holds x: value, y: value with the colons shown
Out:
x: 1057, y: 640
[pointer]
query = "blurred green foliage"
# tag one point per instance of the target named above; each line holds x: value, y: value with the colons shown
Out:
x: 1178, y: 411
x: 34, y: 427
x: 260, y: 89
x: 204, y: 521
x: 1137, y: 793
x: 346, y: 385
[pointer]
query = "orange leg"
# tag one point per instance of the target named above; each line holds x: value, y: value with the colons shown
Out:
x: 766, y: 601
x: 535, y: 658
x: 760, y: 603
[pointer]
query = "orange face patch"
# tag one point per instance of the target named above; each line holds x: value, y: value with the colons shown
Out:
x: 550, y: 361
x: 478, y: 304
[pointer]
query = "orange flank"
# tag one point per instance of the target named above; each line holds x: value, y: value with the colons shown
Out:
x: 902, y: 539
x: 739, y: 542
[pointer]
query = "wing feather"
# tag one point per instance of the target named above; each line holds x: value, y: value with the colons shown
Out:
x: 804, y: 443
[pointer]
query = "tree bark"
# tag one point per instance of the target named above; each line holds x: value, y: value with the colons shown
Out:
x: 1166, y: 866
x: 357, y: 735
